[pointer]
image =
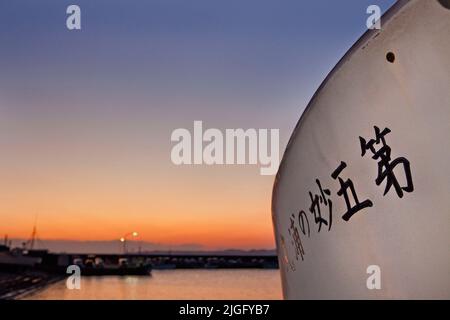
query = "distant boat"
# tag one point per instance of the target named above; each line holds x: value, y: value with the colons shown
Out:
x: 19, y: 261
x: 361, y: 200
x: 117, y: 271
x: 94, y: 266
x: 15, y: 260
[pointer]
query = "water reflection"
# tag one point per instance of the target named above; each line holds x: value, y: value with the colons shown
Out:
x: 174, y: 284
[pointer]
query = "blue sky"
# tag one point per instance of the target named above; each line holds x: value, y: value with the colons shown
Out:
x: 82, y: 111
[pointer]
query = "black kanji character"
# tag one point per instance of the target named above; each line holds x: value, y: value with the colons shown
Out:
x: 316, y: 201
x: 296, y: 240
x: 348, y: 184
x: 386, y: 166
x: 302, y: 219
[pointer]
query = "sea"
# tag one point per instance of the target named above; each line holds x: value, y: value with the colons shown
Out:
x: 221, y: 284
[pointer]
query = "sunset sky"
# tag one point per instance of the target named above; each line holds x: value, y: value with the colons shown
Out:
x: 86, y: 116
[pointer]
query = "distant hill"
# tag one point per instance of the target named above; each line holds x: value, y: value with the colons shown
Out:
x: 115, y: 246
x: 228, y: 252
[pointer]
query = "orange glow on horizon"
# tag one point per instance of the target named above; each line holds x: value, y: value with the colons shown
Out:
x: 82, y: 185
x: 244, y: 223
x: 210, y: 236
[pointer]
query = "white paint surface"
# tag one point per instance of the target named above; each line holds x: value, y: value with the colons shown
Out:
x: 409, y: 237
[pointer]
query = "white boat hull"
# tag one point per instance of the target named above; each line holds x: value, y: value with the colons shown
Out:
x: 399, y: 247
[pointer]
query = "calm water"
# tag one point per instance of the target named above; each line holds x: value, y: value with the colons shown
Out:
x: 174, y: 284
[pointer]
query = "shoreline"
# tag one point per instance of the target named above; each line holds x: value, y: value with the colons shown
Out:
x: 15, y: 286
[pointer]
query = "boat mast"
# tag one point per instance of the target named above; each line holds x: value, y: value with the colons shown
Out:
x: 33, y: 235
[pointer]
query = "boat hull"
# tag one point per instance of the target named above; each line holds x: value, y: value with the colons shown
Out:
x: 395, y: 80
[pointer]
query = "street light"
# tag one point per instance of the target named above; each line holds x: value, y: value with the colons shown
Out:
x: 124, y: 240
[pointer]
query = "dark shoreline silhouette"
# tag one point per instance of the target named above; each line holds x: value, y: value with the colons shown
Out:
x: 14, y: 285
x: 25, y: 271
